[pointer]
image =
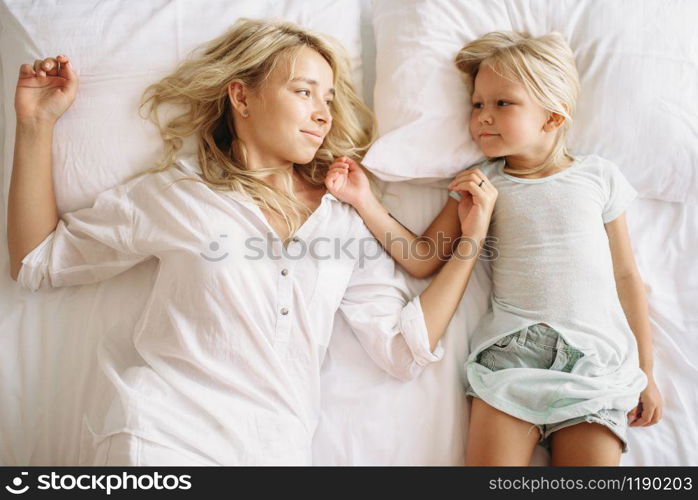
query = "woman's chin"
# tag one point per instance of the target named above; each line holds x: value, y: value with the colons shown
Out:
x: 304, y: 157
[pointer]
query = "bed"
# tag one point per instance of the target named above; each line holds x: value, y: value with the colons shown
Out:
x: 51, y: 341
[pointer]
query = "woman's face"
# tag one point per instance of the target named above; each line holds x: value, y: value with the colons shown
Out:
x: 288, y: 119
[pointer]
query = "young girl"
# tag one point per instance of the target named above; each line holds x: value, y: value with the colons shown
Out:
x: 233, y: 336
x: 554, y: 360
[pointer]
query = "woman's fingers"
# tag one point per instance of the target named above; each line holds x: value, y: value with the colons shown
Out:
x: 26, y: 71
x: 471, y: 187
x: 50, y: 66
x: 37, y: 67
x: 468, y: 175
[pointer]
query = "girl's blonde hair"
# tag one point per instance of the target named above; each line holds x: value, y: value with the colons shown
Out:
x: 544, y: 66
x: 248, y: 52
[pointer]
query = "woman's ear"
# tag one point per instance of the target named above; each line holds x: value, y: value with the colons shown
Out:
x: 237, y: 93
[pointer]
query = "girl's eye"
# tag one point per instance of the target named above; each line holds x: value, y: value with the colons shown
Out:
x: 329, y: 102
x: 477, y: 105
x: 305, y: 90
x: 503, y: 103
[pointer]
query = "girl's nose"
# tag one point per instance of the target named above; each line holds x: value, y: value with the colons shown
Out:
x: 485, y: 117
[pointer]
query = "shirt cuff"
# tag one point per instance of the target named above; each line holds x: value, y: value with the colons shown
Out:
x: 454, y: 195
x: 35, y: 265
x: 414, y: 329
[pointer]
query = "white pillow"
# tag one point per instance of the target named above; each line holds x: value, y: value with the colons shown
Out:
x: 638, y: 63
x: 117, y: 49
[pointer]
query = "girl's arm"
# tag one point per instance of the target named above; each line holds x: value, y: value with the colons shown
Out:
x: 421, y: 256
x: 42, y: 96
x: 631, y: 292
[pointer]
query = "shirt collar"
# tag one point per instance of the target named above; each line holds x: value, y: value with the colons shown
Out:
x: 190, y: 163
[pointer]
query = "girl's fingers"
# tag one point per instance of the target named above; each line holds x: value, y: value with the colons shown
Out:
x: 632, y: 415
x: 350, y: 163
x: 646, y: 417
x: 657, y: 416
x: 337, y: 170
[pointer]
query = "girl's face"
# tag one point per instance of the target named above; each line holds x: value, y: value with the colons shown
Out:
x: 287, y: 120
x: 506, y: 121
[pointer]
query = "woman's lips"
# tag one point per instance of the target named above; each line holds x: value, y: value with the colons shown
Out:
x: 316, y: 137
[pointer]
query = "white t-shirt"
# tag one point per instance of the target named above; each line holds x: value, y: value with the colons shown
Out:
x: 234, y: 332
x: 552, y: 264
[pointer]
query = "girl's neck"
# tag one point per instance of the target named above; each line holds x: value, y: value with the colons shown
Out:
x: 523, y: 164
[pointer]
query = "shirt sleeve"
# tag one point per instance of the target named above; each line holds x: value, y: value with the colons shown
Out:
x: 619, y: 193
x: 389, y: 325
x: 88, y: 245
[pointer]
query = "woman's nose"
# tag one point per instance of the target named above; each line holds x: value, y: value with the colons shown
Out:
x: 322, y: 116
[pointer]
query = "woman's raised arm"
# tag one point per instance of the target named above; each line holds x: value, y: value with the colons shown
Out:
x: 44, y: 92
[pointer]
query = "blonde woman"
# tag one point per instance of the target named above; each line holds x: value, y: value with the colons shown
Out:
x: 255, y: 257
x: 555, y: 360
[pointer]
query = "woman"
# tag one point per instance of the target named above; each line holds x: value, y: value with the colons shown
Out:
x: 255, y: 257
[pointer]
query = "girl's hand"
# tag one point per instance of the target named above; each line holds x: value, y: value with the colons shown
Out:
x: 44, y: 92
x: 347, y: 181
x: 477, y: 202
x: 649, y: 409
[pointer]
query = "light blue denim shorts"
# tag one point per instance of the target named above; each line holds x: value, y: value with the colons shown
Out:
x: 540, y: 346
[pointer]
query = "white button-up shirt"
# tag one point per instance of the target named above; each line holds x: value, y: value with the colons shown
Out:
x: 235, y: 329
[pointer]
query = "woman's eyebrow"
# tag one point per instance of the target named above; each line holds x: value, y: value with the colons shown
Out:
x: 310, y: 81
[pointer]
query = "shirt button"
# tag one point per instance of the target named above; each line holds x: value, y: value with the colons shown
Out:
x: 284, y: 272
x: 284, y: 311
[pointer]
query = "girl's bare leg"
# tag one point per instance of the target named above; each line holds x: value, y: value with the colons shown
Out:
x: 495, y: 438
x: 585, y: 444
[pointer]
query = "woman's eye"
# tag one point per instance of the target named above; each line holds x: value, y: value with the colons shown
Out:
x: 503, y: 103
x: 329, y: 102
x: 304, y: 90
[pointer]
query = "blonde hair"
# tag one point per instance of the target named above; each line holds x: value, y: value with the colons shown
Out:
x: 545, y: 66
x: 248, y: 52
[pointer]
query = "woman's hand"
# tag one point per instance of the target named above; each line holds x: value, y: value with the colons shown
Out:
x: 347, y: 181
x: 649, y: 410
x: 477, y: 202
x: 44, y: 92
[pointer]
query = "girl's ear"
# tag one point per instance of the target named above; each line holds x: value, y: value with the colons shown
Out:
x: 554, y: 122
x: 237, y: 93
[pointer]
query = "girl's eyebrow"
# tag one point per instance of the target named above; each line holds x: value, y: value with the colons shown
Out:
x: 312, y: 82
